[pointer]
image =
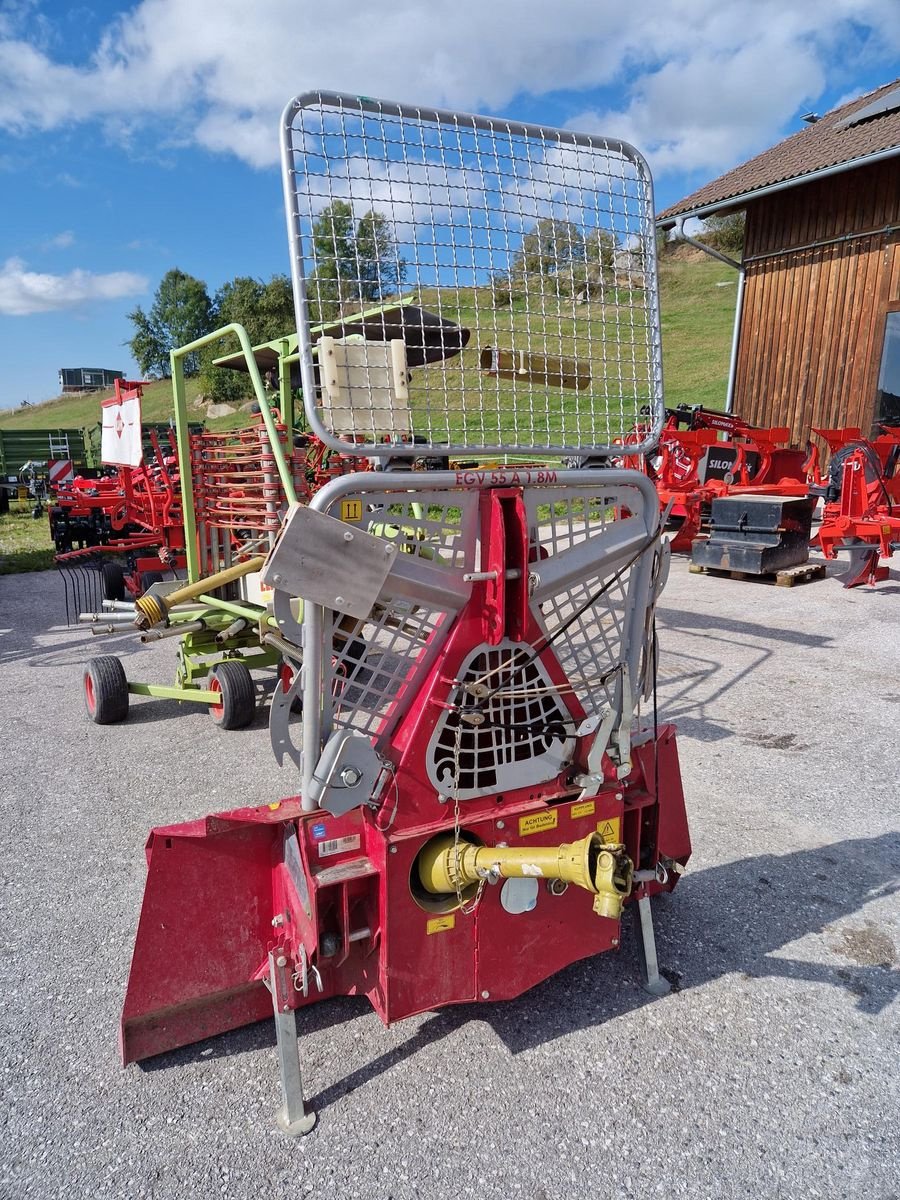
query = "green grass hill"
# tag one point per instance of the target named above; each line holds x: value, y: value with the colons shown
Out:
x: 697, y: 298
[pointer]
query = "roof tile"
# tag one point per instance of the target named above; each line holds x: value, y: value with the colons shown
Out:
x: 827, y: 143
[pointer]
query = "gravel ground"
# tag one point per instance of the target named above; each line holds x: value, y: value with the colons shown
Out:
x: 770, y: 1072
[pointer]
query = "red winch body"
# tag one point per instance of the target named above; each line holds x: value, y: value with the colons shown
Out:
x: 337, y: 895
x: 225, y: 890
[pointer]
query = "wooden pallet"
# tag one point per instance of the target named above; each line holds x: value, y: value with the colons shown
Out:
x: 805, y: 573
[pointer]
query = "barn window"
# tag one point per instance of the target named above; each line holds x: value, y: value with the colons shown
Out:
x: 887, y: 401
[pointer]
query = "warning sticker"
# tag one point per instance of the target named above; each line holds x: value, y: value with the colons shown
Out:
x: 351, y: 510
x: 610, y: 830
x: 439, y: 924
x: 538, y: 821
x: 584, y: 809
x: 339, y: 845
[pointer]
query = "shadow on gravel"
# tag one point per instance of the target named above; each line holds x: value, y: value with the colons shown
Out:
x: 713, y: 622
x: 727, y: 652
x: 724, y: 920
x: 144, y: 710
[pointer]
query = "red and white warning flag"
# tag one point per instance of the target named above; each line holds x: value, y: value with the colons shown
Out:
x: 121, y: 441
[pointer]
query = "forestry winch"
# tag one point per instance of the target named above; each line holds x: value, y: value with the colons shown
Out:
x: 473, y: 647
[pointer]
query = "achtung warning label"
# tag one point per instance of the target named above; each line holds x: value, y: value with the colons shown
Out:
x: 584, y: 808
x: 610, y: 830
x: 439, y: 924
x: 535, y: 822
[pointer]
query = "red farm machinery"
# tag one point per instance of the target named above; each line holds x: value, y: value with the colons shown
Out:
x: 119, y: 531
x: 482, y: 783
x: 741, y: 498
x: 861, y: 494
x: 693, y: 466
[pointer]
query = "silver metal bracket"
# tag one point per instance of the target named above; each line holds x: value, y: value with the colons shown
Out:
x: 292, y: 1118
x: 321, y: 559
x: 654, y: 983
x: 346, y: 774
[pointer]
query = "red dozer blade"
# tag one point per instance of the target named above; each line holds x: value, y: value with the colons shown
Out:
x: 204, y: 932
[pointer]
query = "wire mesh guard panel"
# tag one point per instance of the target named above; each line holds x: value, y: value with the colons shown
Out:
x: 591, y: 542
x: 378, y: 662
x: 515, y: 267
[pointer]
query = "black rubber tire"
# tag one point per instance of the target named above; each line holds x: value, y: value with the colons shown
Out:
x: 148, y: 578
x: 105, y: 690
x: 113, y: 581
x: 238, y: 704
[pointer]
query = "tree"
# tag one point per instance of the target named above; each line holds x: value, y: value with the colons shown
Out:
x: 725, y: 233
x: 180, y: 313
x: 557, y: 251
x: 381, y: 270
x: 266, y: 310
x: 354, y: 264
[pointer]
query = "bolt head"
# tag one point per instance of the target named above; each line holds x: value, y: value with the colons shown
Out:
x: 501, y: 824
x: 348, y: 535
x: 485, y: 995
x: 339, y: 600
x: 393, y: 849
x: 276, y: 579
x: 280, y: 961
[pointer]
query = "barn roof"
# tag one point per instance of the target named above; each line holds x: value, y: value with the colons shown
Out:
x: 857, y: 132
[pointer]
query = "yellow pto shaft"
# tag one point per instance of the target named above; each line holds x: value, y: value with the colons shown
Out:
x: 605, y: 870
x: 153, y: 610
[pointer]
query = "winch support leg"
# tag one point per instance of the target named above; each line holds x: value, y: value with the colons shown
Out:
x: 292, y: 1118
x: 654, y: 983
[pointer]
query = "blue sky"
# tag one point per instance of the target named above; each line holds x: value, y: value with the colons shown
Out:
x: 134, y: 138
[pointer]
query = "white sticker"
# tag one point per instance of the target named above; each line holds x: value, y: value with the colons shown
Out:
x: 339, y: 845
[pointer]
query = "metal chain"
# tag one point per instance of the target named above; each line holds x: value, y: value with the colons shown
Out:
x: 465, y: 909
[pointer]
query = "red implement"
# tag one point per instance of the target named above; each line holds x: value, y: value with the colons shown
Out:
x: 862, y: 503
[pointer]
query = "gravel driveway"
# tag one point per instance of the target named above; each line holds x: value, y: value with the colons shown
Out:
x: 771, y: 1070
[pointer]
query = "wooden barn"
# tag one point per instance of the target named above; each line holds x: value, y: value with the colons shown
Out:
x: 817, y: 326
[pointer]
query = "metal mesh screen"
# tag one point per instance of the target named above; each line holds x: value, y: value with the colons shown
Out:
x: 485, y: 285
x: 379, y: 662
x: 589, y: 636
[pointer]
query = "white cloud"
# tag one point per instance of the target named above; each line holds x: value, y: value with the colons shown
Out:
x: 702, y: 82
x: 59, y: 241
x: 23, y: 292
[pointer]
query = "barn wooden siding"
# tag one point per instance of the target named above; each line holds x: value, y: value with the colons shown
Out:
x: 814, y: 307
